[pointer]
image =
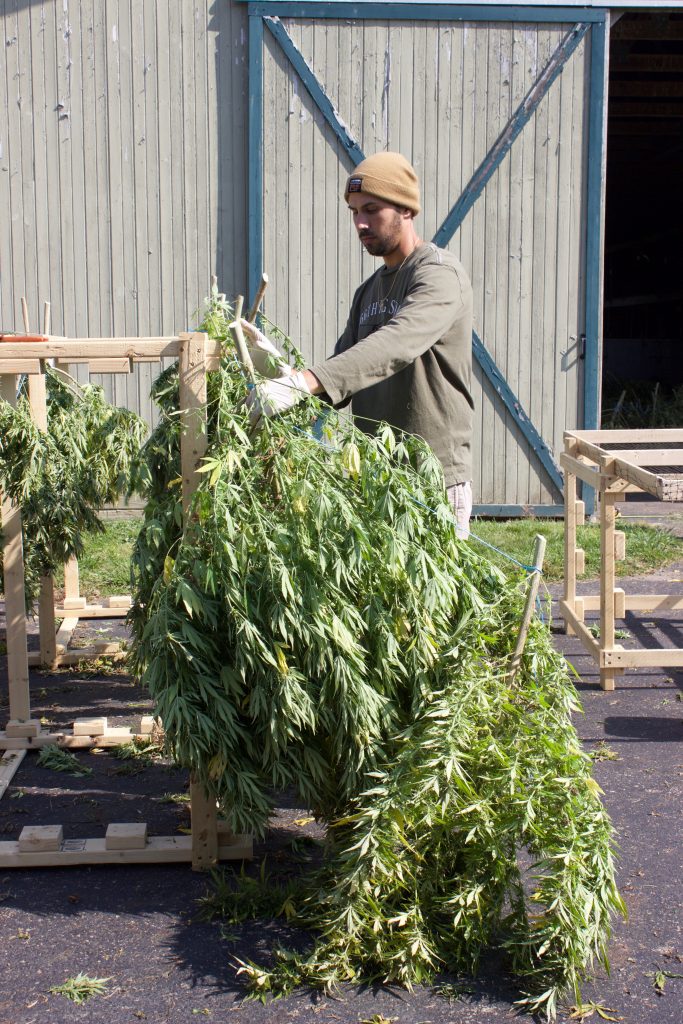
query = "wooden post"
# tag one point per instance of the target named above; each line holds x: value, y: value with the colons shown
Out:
x: 534, y: 581
x: 15, y: 607
x: 37, y: 394
x: 569, y: 537
x: 72, y: 583
x: 193, y: 441
x: 607, y: 577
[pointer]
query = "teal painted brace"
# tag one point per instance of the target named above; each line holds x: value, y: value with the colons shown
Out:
x: 465, y: 202
x: 315, y: 89
x: 510, y: 132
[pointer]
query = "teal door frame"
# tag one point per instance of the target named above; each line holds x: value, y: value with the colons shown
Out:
x: 266, y: 15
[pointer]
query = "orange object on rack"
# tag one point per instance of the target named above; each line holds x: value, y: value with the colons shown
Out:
x: 24, y: 337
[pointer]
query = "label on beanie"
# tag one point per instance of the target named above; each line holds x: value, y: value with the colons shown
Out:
x: 355, y: 185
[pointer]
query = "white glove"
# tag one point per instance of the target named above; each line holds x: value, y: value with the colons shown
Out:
x: 267, y: 359
x: 273, y: 397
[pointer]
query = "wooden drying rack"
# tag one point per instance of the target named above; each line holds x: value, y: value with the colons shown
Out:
x: 125, y: 842
x: 615, y: 462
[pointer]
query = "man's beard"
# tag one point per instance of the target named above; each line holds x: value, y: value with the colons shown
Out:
x: 381, y: 245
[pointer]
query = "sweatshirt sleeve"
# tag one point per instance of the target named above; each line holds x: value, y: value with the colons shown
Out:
x: 432, y: 305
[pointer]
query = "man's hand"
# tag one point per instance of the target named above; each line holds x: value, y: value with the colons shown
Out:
x: 267, y: 359
x: 273, y: 397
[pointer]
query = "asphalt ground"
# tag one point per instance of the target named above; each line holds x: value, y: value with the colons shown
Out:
x: 139, y: 926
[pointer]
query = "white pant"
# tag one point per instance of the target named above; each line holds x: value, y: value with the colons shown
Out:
x: 460, y: 497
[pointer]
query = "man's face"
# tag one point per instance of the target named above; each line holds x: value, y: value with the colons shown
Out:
x: 380, y: 225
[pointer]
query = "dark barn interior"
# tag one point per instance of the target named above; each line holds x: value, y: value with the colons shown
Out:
x: 643, y: 305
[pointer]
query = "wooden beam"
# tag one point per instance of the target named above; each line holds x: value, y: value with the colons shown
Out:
x: 75, y: 350
x: 9, y: 763
x: 158, y: 850
x: 15, y: 602
x: 639, y: 602
x: 647, y: 435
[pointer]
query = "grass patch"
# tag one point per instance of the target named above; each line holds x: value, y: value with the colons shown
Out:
x: 105, y: 566
x: 647, y: 548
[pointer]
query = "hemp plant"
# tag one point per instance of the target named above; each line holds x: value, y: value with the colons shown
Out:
x: 314, y: 623
x: 87, y: 458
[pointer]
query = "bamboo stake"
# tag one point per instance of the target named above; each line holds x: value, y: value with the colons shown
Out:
x: 240, y: 343
x: 534, y: 581
x: 24, y: 313
x: 259, y: 298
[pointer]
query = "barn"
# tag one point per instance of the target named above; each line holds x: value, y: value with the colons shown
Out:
x: 145, y: 147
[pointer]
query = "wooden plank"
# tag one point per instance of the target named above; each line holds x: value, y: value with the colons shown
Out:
x: 9, y: 763
x: 65, y: 631
x: 607, y: 576
x: 650, y: 456
x: 72, y: 350
x: 159, y: 850
x: 46, y: 600
x: 93, y: 611
x: 15, y: 608
x: 585, y: 636
x: 586, y: 473
x: 110, y: 651
x: 643, y: 658
x: 66, y: 740
x: 15, y: 366
x: 639, y: 602
x: 661, y: 435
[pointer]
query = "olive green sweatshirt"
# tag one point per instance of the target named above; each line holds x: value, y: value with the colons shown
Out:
x: 406, y: 356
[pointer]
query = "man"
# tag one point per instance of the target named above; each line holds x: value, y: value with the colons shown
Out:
x: 406, y: 353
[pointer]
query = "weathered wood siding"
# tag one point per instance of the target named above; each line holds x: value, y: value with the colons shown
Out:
x: 123, y: 165
x: 441, y: 93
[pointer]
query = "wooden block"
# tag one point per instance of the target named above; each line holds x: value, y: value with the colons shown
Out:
x: 146, y: 725
x: 579, y: 608
x: 119, y: 601
x: 126, y: 836
x: 619, y: 545
x: 15, y: 727
x: 619, y: 603
x: 580, y: 507
x: 41, y: 838
x: 121, y: 732
x: 73, y: 603
x: 580, y: 556
x: 89, y: 726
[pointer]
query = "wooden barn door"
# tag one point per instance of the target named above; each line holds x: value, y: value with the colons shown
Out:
x: 503, y: 122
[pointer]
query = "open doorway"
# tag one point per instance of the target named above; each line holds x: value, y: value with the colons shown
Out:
x: 643, y: 301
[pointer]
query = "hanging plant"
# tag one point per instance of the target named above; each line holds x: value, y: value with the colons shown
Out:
x: 87, y: 458
x: 314, y: 624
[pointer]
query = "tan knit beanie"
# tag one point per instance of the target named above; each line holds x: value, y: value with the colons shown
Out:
x: 388, y: 176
